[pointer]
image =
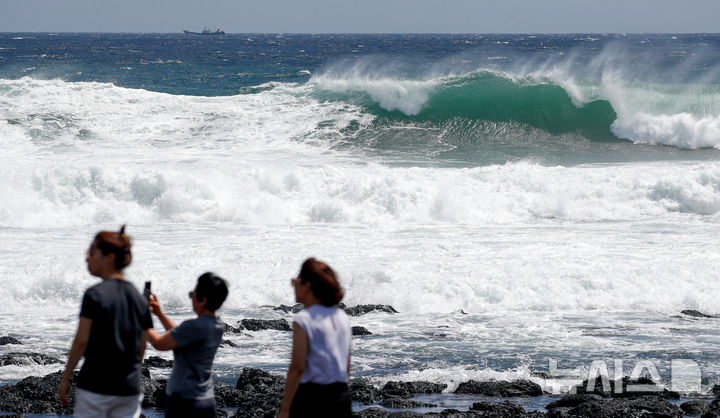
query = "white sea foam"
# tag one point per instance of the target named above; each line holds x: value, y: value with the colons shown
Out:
x: 685, y: 115
x: 220, y: 189
x: 364, y: 76
x: 248, y: 186
x: 682, y: 130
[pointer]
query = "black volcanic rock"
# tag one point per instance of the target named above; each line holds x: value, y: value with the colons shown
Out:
x: 363, y: 309
x: 260, y: 381
x: 264, y: 324
x: 365, y: 393
x: 501, y: 389
x: 159, y: 362
x: 396, y: 402
x: 651, y: 389
x: 231, y: 329
x: 372, y: 412
x: 259, y: 393
x: 228, y: 343
x: 409, y: 389
x: 23, y: 359
x: 360, y: 331
x: 640, y: 407
x: 697, y: 314
x: 713, y: 410
x: 695, y: 408
x: 9, y: 340
x: 287, y: 309
x: 569, y: 401
x: 153, y: 392
x: 37, y: 395
x: 505, y: 409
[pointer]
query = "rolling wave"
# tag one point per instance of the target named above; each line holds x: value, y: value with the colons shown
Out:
x: 608, y: 108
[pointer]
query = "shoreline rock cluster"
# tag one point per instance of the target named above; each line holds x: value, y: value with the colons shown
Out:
x: 257, y: 393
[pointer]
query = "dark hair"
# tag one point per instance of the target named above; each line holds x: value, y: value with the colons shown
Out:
x: 213, y: 289
x: 117, y: 243
x: 323, y: 281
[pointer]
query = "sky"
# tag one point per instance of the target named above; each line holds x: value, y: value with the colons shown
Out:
x: 362, y: 16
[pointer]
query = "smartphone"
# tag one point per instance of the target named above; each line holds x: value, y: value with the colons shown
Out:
x: 146, y: 292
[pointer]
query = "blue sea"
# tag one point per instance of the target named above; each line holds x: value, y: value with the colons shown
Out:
x: 526, y: 202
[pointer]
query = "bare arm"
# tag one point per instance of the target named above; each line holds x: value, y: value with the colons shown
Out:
x: 348, y: 366
x: 82, y: 336
x: 161, y: 342
x: 143, y: 344
x: 297, y: 366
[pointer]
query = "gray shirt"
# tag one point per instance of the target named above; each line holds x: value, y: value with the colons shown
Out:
x: 197, y: 340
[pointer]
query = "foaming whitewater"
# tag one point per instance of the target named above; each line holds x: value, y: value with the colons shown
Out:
x: 516, y: 199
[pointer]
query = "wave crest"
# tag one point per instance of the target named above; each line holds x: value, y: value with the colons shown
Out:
x: 606, y: 107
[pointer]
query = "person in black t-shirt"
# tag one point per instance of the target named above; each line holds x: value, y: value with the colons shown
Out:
x: 111, y: 335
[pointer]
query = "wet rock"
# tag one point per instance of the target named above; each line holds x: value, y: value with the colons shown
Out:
x: 694, y: 408
x: 155, y: 361
x: 288, y: 309
x: 640, y: 407
x: 501, y: 389
x: 231, y: 329
x: 409, y: 389
x: 629, y: 389
x: 372, y: 412
x: 715, y: 390
x: 36, y: 395
x: 697, y: 314
x: 454, y: 413
x: 264, y: 324
x: 228, y: 343
x: 396, y: 402
x: 363, y: 309
x: 226, y: 396
x: 365, y: 393
x: 259, y: 393
x: 569, y: 401
x: 505, y: 409
x: 405, y: 414
x: 9, y: 340
x: 713, y: 409
x: 24, y: 359
x: 360, y: 331
x: 153, y: 392
x: 258, y: 380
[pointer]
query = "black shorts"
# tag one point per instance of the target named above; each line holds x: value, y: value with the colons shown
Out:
x: 179, y: 407
x: 313, y: 400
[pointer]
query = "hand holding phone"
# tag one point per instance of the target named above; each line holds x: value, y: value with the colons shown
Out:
x: 147, y: 292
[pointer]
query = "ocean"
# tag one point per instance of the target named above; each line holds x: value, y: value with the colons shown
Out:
x: 524, y: 202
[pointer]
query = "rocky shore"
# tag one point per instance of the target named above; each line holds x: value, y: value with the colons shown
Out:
x: 257, y: 393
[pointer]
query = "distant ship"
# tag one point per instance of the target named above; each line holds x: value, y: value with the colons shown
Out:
x: 205, y: 31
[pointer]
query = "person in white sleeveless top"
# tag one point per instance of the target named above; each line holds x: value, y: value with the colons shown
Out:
x: 317, y: 381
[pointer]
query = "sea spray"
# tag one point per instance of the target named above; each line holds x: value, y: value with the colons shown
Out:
x: 505, y: 235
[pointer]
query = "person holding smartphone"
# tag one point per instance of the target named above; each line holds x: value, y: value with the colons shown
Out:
x: 194, y: 343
